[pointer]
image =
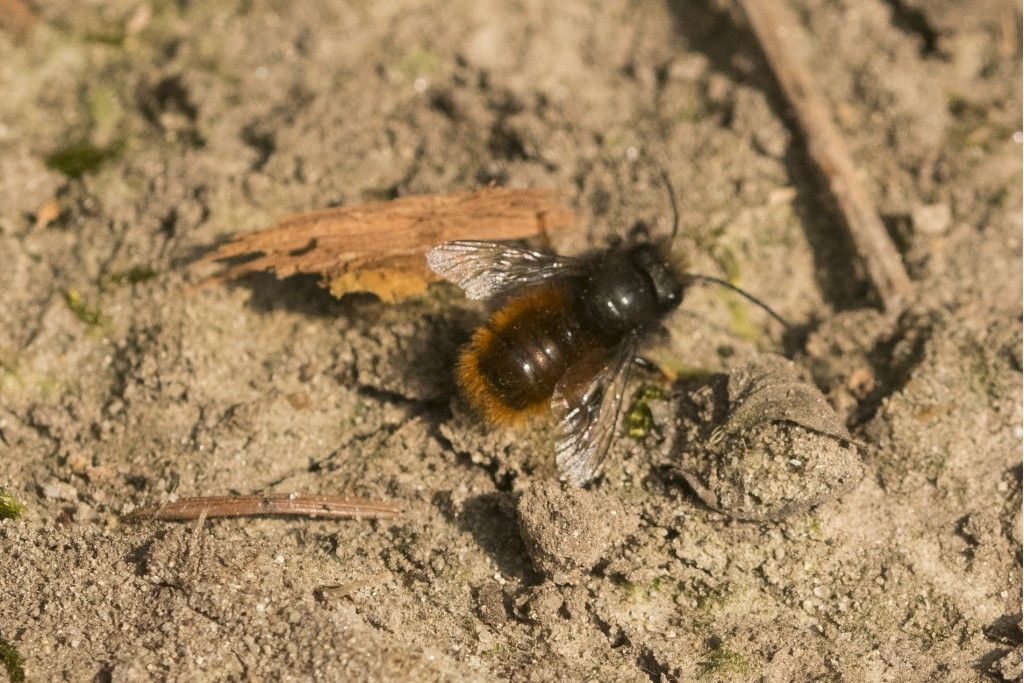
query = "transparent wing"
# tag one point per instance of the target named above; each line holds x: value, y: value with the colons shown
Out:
x: 590, y: 413
x: 486, y: 269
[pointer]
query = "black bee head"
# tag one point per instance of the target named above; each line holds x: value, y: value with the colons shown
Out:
x: 668, y: 285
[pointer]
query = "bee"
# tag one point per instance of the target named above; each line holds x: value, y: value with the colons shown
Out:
x: 566, y: 333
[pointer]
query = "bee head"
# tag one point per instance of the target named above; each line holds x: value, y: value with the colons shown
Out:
x: 656, y: 263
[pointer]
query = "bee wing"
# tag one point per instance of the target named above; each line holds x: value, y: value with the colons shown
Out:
x: 590, y: 411
x: 486, y: 269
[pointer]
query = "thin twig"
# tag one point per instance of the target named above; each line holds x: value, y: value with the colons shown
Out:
x: 772, y: 22
x: 326, y: 507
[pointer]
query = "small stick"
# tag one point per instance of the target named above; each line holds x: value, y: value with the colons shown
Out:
x: 770, y: 20
x: 292, y: 505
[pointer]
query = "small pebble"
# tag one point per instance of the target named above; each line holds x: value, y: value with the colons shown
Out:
x: 931, y: 219
x: 55, y: 489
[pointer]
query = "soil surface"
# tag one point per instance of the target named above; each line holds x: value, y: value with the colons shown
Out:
x: 135, y: 134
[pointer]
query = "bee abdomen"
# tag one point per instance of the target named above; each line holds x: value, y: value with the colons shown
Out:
x: 523, y: 368
x: 514, y: 362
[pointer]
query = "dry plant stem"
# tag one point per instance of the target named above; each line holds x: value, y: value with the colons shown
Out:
x: 772, y: 23
x: 326, y: 507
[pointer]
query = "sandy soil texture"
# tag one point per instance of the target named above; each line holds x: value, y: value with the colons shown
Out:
x: 136, y: 133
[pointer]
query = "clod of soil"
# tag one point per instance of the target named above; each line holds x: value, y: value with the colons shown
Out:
x: 568, y: 530
x: 782, y: 449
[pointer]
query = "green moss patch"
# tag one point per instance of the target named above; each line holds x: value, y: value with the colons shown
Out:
x: 639, y: 419
x: 10, y: 508
x: 90, y: 315
x: 132, y: 276
x: 12, y: 661
x: 77, y: 159
x: 722, y: 662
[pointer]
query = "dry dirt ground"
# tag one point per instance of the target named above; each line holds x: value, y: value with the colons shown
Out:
x: 135, y: 133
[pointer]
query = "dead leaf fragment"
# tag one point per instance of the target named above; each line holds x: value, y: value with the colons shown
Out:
x: 380, y: 247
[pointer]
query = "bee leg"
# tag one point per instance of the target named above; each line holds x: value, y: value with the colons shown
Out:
x: 656, y: 369
x: 646, y: 364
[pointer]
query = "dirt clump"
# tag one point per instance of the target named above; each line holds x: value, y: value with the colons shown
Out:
x: 780, y: 451
x: 567, y: 530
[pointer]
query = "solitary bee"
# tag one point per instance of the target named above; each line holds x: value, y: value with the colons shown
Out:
x: 567, y: 333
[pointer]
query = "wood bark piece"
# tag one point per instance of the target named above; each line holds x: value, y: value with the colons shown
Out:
x: 380, y: 247
x: 278, y: 505
x: 771, y: 22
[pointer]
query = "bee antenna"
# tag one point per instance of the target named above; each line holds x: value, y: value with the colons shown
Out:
x: 675, y: 205
x: 742, y: 292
